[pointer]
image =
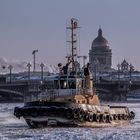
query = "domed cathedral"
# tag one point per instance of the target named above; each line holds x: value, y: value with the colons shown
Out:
x: 100, y: 55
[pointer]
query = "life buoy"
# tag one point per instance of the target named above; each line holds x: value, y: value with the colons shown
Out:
x: 90, y: 117
x: 120, y: 116
x: 76, y: 112
x: 81, y: 117
x: 103, y: 118
x: 115, y: 117
x: 97, y: 117
x: 86, y: 116
x: 109, y: 118
x: 125, y: 117
x: 81, y: 112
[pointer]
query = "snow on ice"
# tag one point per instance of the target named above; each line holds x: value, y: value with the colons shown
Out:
x: 11, y: 128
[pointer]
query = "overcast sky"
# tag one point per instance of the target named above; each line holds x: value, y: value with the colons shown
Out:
x: 26, y: 25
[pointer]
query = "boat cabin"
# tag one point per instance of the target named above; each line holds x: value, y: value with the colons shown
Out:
x: 56, y: 86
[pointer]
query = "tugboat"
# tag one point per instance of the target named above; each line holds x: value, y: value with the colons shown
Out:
x: 69, y: 99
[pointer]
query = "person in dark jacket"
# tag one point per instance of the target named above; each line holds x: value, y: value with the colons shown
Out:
x: 86, y: 70
x: 87, y: 76
x: 64, y: 69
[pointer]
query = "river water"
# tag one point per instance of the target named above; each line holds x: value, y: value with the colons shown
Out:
x: 12, y: 128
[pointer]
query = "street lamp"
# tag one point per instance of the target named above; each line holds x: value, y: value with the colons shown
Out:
x: 131, y: 69
x: 29, y: 66
x: 41, y: 65
x: 34, y: 59
x: 10, y: 70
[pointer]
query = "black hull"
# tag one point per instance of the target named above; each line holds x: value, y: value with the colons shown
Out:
x: 41, y: 124
x: 42, y: 114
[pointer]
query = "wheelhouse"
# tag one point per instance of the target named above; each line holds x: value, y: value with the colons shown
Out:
x: 56, y: 86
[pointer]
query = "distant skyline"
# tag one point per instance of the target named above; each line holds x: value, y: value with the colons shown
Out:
x: 26, y: 25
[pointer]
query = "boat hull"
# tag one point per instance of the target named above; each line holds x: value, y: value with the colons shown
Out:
x: 42, y: 114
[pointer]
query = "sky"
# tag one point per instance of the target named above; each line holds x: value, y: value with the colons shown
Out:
x: 26, y: 25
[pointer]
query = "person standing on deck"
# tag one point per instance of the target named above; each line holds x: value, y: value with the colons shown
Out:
x: 64, y: 69
x: 88, y: 81
x: 87, y: 76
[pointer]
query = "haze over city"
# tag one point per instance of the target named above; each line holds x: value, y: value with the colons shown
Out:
x: 26, y: 25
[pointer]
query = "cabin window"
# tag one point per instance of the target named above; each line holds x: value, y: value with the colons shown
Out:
x: 72, y: 84
x: 63, y: 84
x: 56, y: 84
x: 49, y: 84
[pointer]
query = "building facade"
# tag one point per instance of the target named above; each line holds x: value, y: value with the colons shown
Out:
x: 126, y: 67
x: 100, y: 55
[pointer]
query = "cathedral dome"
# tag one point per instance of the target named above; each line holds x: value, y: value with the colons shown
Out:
x: 99, y: 40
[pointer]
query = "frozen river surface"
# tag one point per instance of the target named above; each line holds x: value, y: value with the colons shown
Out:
x: 12, y: 128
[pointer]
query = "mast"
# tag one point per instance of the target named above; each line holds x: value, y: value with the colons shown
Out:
x: 73, y: 55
